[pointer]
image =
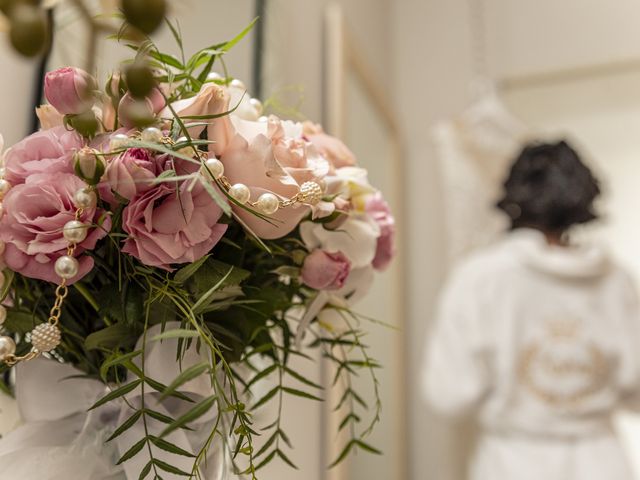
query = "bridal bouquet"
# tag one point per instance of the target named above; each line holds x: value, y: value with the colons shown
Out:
x: 166, y: 251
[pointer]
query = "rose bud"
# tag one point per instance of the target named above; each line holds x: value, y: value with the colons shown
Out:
x: 29, y: 31
x: 88, y: 165
x: 325, y: 271
x: 70, y: 90
x: 86, y: 123
x: 146, y: 15
x: 140, y: 113
x: 140, y: 80
x: 115, y: 86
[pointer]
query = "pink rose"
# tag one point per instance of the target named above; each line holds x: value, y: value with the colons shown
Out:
x: 151, y: 106
x: 166, y: 229
x: 331, y: 147
x: 272, y: 161
x: 129, y: 174
x: 31, y: 228
x: 378, y: 209
x: 211, y: 100
x: 325, y: 271
x: 268, y: 156
x: 48, y: 151
x: 69, y: 90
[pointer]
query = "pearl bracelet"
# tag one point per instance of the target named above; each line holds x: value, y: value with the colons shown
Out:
x: 45, y: 337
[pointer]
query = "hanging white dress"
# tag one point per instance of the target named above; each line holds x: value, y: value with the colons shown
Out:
x: 473, y: 153
x: 542, y: 344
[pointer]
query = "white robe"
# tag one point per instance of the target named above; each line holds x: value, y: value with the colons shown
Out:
x: 543, y: 344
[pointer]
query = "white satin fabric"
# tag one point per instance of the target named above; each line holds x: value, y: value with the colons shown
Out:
x: 61, y: 440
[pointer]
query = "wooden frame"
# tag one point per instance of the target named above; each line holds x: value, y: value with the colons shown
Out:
x: 341, y: 59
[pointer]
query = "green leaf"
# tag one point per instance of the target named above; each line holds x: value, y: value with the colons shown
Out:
x: 234, y: 41
x: 126, y: 425
x: 187, y: 375
x: 193, y: 414
x: 351, y: 417
x: 175, y: 31
x: 176, y: 333
x: 262, y: 375
x: 146, y: 470
x: 300, y: 393
x: 19, y: 321
x: 266, y: 398
x: 285, y: 438
x: 214, y: 270
x: 161, y: 417
x: 187, y: 272
x: 170, y: 447
x: 117, y: 393
x: 206, y: 298
x: 109, y: 338
x: 367, y: 448
x: 167, y: 59
x: 267, y: 444
x: 115, y: 360
x: 286, y: 459
x: 343, y: 454
x: 161, y: 387
x: 9, y: 275
x: 302, y: 379
x: 133, y: 451
x: 266, y: 460
x: 170, y: 468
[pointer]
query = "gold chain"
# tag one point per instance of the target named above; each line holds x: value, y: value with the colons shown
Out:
x: 62, y: 291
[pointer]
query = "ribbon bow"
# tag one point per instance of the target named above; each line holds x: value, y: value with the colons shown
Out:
x: 61, y: 439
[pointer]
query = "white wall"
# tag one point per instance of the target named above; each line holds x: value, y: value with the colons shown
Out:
x: 433, y: 58
x: 432, y: 68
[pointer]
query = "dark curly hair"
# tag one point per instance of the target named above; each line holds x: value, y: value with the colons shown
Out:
x: 549, y: 188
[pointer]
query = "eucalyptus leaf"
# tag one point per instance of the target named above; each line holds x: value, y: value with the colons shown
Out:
x: 133, y: 451
x: 196, y: 412
x: 184, y: 377
x: 117, y: 393
x: 176, y: 333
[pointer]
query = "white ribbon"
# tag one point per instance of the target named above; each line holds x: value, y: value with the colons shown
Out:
x: 60, y: 439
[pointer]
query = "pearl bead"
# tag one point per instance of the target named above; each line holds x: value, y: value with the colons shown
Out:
x: 151, y: 135
x: 67, y: 267
x: 188, y: 150
x: 75, y: 231
x: 85, y: 198
x: 235, y: 83
x: 214, y: 76
x: 240, y: 192
x: 3, y: 314
x: 118, y: 141
x: 263, y: 119
x: 257, y: 104
x: 7, y: 347
x: 310, y: 193
x: 268, y: 203
x: 214, y: 167
x: 45, y: 337
x: 4, y: 187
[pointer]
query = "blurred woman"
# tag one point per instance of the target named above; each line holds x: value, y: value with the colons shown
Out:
x: 538, y: 337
